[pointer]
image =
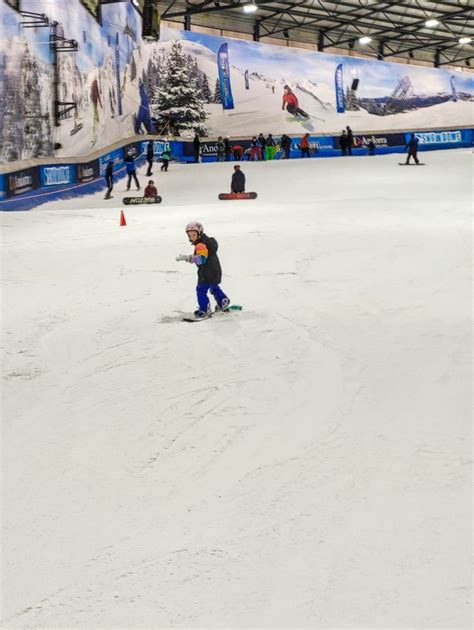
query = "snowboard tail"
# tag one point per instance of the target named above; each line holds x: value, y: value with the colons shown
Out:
x: 141, y: 201
x: 244, y: 195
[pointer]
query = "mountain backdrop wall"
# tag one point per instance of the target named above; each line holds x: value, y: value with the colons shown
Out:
x: 187, y: 82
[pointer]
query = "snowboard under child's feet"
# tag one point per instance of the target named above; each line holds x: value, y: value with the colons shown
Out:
x: 197, y: 316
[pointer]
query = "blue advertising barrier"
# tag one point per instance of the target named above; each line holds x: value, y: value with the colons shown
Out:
x: 29, y: 187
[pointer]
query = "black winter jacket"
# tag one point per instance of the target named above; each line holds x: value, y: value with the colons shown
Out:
x: 210, y: 272
x: 238, y: 182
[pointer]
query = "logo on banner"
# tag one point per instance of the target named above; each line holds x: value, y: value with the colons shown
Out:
x: 20, y: 183
x: 224, y: 77
x: 439, y: 137
x: 339, y: 84
x: 115, y: 156
x: 87, y: 172
x: 56, y: 175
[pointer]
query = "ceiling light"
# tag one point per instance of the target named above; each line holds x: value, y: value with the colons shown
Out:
x: 251, y: 7
x: 365, y: 40
x: 431, y: 23
x: 465, y: 40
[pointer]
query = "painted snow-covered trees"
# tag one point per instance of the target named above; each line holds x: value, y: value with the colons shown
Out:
x: 178, y: 99
x: 217, y: 93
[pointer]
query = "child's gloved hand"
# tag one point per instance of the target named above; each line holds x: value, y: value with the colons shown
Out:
x: 186, y: 257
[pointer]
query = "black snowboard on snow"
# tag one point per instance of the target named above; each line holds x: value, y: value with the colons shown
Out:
x: 141, y: 201
x: 243, y: 195
x: 411, y: 164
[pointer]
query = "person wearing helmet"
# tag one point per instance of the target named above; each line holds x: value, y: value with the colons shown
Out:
x: 209, y: 269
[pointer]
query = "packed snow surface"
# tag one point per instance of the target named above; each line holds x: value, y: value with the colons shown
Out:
x: 305, y: 462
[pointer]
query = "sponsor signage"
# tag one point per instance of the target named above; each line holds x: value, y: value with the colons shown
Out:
x: 57, y: 175
x: 116, y: 157
x: 380, y: 140
x: 21, y: 181
x: 439, y: 137
x: 87, y: 172
x: 209, y: 149
x: 158, y: 147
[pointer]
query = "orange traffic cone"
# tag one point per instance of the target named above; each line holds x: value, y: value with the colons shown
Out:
x: 122, y: 219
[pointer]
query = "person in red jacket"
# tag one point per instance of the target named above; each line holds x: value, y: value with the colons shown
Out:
x: 290, y: 102
x: 305, y: 146
x: 150, y: 190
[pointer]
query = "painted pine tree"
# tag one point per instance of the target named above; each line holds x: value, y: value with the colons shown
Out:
x: 206, y: 90
x: 217, y: 93
x: 178, y: 100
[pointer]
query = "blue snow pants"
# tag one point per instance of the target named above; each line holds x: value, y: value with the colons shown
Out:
x: 203, y: 300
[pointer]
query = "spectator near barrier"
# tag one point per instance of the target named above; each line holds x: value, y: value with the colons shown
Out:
x: 285, y: 143
x: 343, y: 142
x: 350, y: 140
x: 305, y: 146
x: 238, y: 152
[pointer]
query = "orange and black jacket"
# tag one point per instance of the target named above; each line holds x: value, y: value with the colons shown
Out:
x: 207, y: 260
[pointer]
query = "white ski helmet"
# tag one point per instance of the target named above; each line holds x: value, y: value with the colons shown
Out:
x: 195, y: 226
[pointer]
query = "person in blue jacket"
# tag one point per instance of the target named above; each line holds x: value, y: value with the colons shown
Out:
x: 131, y: 170
x: 412, y: 147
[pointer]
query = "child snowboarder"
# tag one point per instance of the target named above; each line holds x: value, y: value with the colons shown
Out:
x: 209, y: 270
x: 237, y: 184
x: 131, y: 170
x: 165, y: 157
x: 150, y: 190
x: 412, y: 147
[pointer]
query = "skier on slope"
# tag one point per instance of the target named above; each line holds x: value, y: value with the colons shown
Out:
x: 209, y: 270
x: 291, y: 103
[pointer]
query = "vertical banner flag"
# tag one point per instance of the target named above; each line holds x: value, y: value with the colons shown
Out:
x: 246, y: 77
x: 117, y: 73
x: 453, y: 88
x: 339, y: 90
x: 224, y: 77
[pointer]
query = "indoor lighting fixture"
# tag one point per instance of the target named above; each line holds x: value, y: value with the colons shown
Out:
x: 465, y: 40
x: 365, y: 40
x: 250, y: 7
x: 431, y: 23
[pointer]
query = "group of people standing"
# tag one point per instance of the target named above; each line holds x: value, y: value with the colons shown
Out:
x: 346, y: 141
x: 150, y: 190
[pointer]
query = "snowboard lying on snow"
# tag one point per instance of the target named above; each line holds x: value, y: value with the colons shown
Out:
x: 141, y: 201
x: 244, y: 195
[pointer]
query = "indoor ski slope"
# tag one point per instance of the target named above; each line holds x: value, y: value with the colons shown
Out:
x: 303, y: 463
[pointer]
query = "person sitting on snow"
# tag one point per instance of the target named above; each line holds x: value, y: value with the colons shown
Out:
x: 238, y: 180
x: 150, y: 190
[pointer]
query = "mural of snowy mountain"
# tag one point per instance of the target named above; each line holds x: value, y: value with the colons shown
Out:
x: 123, y: 86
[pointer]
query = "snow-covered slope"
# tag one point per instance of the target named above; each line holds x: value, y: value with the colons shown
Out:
x: 303, y: 463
